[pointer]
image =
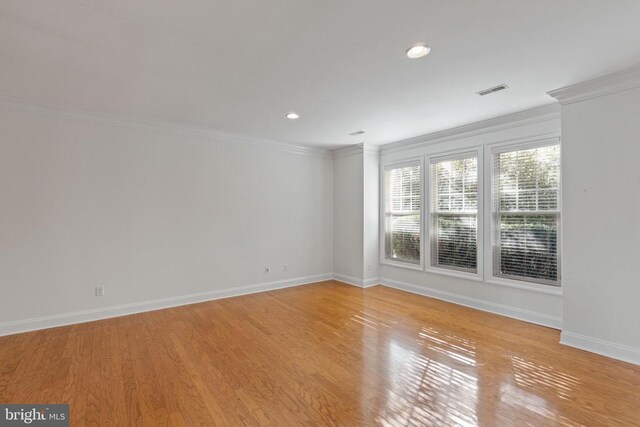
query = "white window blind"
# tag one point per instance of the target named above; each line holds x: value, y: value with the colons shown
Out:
x: 454, y: 212
x: 526, y: 214
x: 402, y: 212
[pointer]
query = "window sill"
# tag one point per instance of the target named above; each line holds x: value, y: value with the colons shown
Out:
x: 406, y: 265
x: 457, y: 274
x: 533, y: 287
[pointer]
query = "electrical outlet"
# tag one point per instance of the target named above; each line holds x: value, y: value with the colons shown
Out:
x: 99, y: 291
x: 286, y: 268
x: 267, y: 270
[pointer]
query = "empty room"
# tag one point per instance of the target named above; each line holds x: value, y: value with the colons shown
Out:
x: 320, y: 213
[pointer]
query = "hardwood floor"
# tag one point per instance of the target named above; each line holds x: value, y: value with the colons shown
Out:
x: 321, y: 354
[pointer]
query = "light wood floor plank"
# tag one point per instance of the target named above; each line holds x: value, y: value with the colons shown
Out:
x: 321, y: 354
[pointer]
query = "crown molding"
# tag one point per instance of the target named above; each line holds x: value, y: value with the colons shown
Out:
x: 508, y: 121
x: 26, y: 105
x: 349, y: 150
x: 371, y: 149
x: 619, y: 81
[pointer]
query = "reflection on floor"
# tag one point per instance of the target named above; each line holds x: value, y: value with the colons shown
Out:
x: 321, y: 354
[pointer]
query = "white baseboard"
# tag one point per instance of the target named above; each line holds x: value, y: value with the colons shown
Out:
x: 26, y: 325
x: 501, y: 309
x: 594, y: 345
x: 367, y: 283
x: 355, y: 281
x: 605, y: 348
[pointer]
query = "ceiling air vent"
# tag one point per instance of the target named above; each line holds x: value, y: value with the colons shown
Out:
x: 356, y: 133
x: 492, y: 90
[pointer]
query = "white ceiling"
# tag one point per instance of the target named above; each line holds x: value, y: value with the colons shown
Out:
x: 238, y: 66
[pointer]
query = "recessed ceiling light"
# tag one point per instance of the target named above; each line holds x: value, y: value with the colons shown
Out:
x: 418, y: 51
x: 293, y: 115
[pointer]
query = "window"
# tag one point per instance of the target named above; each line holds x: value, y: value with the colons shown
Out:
x: 526, y: 214
x: 402, y: 196
x: 454, y: 212
x: 491, y: 213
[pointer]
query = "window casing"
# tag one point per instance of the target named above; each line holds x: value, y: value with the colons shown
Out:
x: 454, y: 212
x: 402, y: 226
x: 526, y: 213
x: 517, y: 230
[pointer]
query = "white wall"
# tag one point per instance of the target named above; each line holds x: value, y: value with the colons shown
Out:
x: 371, y: 191
x: 355, y: 217
x: 601, y: 196
x: 348, y: 253
x: 149, y: 215
x: 533, y: 305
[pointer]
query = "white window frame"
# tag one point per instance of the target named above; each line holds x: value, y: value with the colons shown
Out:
x: 413, y: 161
x: 478, y: 152
x: 490, y: 235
